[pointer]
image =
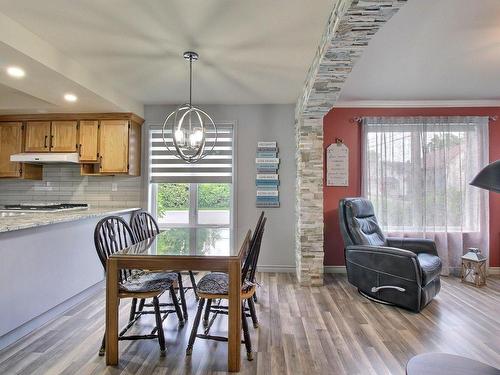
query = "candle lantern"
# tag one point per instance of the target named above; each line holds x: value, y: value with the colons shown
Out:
x: 474, y: 268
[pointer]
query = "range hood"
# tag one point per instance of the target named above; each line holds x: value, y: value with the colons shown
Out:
x: 45, y: 158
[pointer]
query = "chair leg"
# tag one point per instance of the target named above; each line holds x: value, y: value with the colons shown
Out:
x: 182, y: 295
x: 246, y: 334
x: 253, y: 313
x: 193, y: 284
x: 159, y: 326
x: 177, y: 307
x: 102, y: 351
x: 194, y: 330
x: 141, y: 304
x: 207, y: 313
x: 133, y: 308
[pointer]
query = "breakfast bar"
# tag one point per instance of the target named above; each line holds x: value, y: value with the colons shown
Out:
x: 49, y: 263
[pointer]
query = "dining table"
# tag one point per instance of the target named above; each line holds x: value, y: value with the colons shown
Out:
x: 197, y: 249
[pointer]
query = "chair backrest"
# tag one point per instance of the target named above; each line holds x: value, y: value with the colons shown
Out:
x: 250, y: 264
x: 143, y: 225
x: 259, y: 222
x: 112, y: 234
x: 358, y: 223
x: 257, y: 243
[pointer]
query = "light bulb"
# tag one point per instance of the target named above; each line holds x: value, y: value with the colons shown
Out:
x: 196, y: 137
x: 179, y: 137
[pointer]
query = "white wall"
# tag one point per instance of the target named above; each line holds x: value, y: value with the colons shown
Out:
x: 257, y: 123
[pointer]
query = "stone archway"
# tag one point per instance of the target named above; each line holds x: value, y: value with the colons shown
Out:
x: 351, y: 25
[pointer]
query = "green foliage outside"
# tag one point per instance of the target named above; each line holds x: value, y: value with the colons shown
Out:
x: 175, y: 197
x: 214, y: 196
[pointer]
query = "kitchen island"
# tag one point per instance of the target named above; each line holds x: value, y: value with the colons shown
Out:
x: 48, y: 264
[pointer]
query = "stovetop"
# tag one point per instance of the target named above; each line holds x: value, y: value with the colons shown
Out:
x: 45, y: 207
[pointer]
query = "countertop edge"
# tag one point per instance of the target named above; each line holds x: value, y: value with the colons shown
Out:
x: 64, y: 217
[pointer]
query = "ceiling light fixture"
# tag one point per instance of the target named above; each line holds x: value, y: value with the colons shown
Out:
x: 189, y: 132
x: 70, y: 97
x: 15, y: 71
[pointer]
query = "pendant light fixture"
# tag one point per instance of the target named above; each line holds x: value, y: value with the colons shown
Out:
x: 189, y: 132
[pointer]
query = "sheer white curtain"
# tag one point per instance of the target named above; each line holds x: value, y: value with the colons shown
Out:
x: 416, y: 171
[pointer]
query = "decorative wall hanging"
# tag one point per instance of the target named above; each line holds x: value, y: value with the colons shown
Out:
x: 185, y: 130
x: 337, y: 164
x: 267, y: 180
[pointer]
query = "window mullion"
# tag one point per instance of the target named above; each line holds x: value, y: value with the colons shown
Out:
x: 193, y: 204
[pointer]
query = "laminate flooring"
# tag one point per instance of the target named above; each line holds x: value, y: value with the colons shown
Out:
x: 303, y: 331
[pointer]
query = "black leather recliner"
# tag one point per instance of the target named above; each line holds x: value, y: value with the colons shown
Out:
x: 399, y: 271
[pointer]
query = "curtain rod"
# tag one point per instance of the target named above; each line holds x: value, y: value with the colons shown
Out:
x: 359, y: 120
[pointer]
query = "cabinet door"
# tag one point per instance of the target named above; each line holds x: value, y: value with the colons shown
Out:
x: 63, y: 136
x: 87, y: 147
x: 11, y: 142
x: 113, y: 146
x: 37, y: 136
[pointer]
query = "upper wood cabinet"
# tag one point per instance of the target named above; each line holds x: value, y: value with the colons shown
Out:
x: 88, y: 144
x: 63, y: 136
x: 11, y: 142
x: 107, y: 143
x: 113, y: 146
x: 37, y: 136
x: 55, y: 136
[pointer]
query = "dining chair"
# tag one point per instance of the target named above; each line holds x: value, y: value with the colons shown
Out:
x: 215, y: 286
x: 144, y: 226
x: 259, y: 221
x: 113, y: 234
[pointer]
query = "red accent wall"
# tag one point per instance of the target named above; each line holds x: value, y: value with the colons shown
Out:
x: 338, y: 123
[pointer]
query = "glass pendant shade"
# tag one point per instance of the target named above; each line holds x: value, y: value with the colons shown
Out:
x: 189, y: 132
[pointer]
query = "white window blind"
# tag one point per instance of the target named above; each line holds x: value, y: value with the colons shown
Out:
x: 217, y: 167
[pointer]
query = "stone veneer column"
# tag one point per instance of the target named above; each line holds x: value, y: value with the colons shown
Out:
x: 309, y: 201
x: 350, y: 27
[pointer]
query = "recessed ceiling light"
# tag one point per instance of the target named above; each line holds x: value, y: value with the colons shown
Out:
x: 15, y: 71
x: 70, y: 97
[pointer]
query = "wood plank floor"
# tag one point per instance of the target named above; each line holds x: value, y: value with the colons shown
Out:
x: 325, y: 330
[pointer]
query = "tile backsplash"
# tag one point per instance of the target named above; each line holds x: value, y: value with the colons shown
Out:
x: 63, y: 183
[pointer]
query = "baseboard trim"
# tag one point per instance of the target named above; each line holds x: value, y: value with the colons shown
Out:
x: 335, y: 269
x: 286, y: 269
x: 35, y: 323
x: 493, y: 270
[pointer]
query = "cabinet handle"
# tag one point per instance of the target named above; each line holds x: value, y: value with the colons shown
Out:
x: 45, y: 142
x: 51, y: 141
x: 80, y: 150
x: 100, y: 162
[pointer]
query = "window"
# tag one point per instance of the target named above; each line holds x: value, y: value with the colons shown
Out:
x: 195, y: 202
x: 416, y: 171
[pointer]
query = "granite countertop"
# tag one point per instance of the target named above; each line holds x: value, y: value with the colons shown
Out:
x: 32, y: 220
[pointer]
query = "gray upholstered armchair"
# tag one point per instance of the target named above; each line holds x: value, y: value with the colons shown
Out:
x: 399, y: 271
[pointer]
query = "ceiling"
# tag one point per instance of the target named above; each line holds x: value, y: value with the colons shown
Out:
x: 250, y: 51
x: 431, y: 51
x: 118, y: 55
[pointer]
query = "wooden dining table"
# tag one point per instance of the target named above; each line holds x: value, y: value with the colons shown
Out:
x: 200, y: 249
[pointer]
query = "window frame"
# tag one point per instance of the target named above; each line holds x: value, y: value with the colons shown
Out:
x: 152, y: 190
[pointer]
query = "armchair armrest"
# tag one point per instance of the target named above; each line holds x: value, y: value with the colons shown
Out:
x: 383, y: 259
x: 416, y: 245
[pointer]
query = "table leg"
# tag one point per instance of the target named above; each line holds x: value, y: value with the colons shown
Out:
x: 111, y: 312
x: 234, y: 321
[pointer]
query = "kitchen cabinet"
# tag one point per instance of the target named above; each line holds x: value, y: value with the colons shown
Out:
x: 107, y: 143
x: 37, y: 136
x: 63, y: 136
x: 47, y: 136
x: 88, y: 140
x: 113, y: 146
x: 11, y: 142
